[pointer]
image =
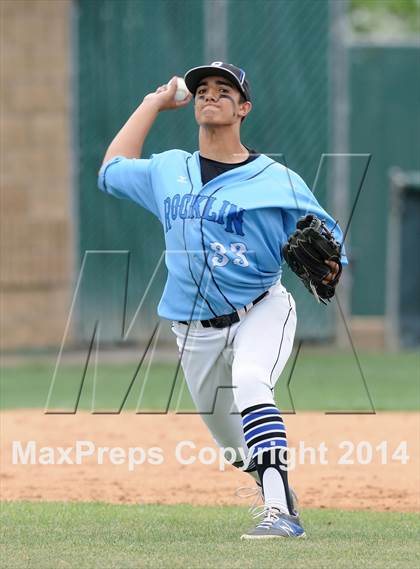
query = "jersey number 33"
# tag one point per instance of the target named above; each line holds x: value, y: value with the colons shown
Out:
x: 220, y: 258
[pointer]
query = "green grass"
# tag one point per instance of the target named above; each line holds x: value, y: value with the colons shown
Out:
x: 90, y: 536
x: 327, y: 381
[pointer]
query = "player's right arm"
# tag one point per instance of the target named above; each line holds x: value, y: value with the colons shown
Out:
x: 130, y: 139
x: 123, y: 173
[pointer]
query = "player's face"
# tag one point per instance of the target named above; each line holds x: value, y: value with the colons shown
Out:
x: 218, y: 103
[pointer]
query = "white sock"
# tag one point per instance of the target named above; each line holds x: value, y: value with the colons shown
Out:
x: 274, y: 492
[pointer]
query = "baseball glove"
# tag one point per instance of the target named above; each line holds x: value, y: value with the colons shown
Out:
x: 306, y: 252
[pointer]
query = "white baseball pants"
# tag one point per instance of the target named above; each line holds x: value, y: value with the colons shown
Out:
x: 230, y: 369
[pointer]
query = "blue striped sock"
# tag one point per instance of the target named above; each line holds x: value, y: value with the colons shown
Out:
x: 263, y: 428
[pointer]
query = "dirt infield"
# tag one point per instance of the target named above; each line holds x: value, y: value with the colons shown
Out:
x: 376, y: 480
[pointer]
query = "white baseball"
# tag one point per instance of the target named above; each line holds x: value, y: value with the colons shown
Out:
x: 181, y: 90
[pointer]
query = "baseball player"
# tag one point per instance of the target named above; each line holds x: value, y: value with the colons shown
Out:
x: 226, y: 213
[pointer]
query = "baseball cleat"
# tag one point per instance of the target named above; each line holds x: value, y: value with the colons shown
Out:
x: 275, y: 524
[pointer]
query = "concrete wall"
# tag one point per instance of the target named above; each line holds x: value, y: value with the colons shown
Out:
x: 36, y: 201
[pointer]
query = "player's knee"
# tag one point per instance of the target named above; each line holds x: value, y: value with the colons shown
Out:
x: 248, y: 375
x: 251, y: 381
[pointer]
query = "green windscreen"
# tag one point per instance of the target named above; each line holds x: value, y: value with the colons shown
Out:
x: 125, y: 50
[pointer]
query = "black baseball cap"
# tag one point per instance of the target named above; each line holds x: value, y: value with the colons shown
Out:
x: 234, y: 74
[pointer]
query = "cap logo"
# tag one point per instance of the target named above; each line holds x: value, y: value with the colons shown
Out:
x: 217, y: 64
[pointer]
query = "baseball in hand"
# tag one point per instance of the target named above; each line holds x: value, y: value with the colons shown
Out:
x: 181, y: 90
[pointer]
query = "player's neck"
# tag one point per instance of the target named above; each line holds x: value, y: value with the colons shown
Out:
x: 222, y: 144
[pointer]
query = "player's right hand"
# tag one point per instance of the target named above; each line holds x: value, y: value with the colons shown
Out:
x: 164, y: 97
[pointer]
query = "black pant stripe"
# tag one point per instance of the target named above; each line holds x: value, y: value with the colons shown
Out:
x: 281, y: 341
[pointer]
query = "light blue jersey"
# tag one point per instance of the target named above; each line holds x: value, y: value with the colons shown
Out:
x: 223, y: 239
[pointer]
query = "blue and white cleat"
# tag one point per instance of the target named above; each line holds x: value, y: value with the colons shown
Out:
x: 275, y: 524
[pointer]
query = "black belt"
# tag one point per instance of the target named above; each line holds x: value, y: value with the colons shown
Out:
x: 226, y: 319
